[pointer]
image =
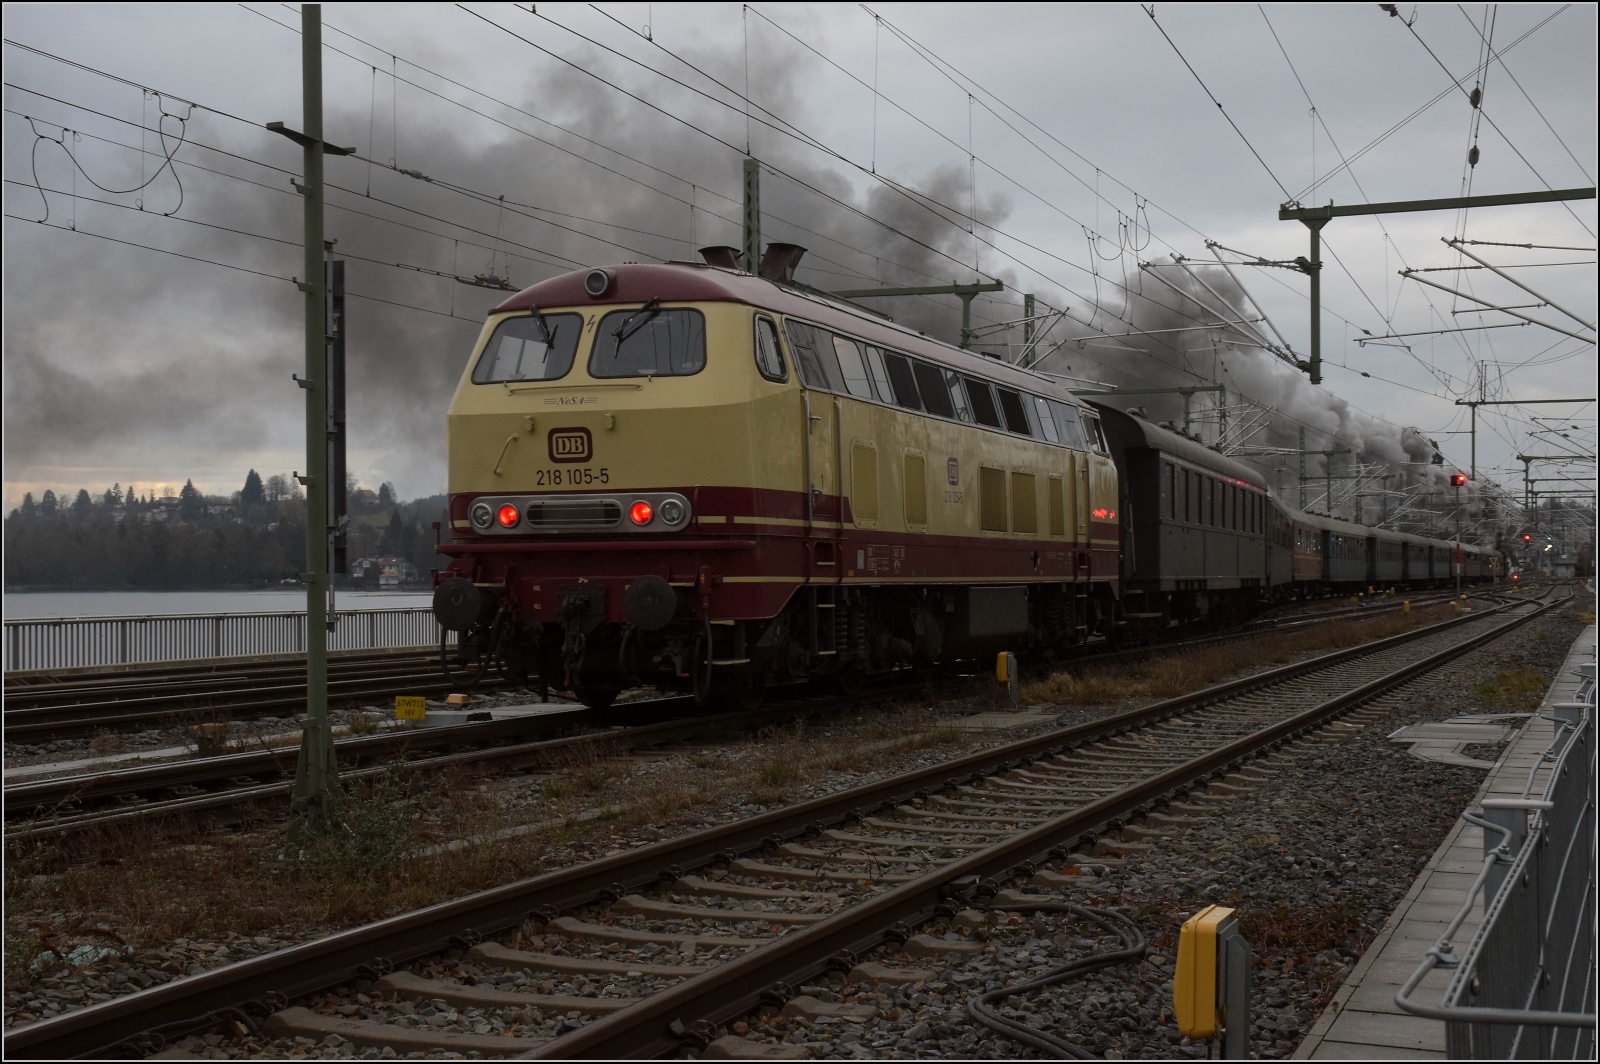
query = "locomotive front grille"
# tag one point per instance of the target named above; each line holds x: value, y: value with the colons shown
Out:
x: 574, y: 514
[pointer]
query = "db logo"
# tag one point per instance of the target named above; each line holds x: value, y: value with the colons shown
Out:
x: 952, y: 472
x: 571, y: 445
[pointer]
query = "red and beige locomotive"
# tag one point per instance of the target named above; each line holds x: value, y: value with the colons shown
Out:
x: 695, y: 477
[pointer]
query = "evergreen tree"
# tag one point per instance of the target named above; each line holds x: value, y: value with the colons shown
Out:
x: 112, y: 499
x: 28, y: 509
x: 47, y: 504
x: 396, y: 538
x: 191, y: 506
x: 82, y: 506
x: 386, y: 494
x: 253, y: 493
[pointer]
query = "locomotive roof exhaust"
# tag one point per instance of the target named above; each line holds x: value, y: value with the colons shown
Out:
x: 778, y: 262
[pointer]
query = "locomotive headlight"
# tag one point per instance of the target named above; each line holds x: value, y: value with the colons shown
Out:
x: 482, y: 516
x: 641, y: 513
x: 671, y: 512
x: 508, y: 515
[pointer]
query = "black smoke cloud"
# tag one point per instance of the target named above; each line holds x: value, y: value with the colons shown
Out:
x: 124, y: 365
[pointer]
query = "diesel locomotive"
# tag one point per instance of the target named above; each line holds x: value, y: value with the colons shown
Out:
x: 695, y: 477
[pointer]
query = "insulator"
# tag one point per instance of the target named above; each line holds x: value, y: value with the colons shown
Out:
x: 1472, y: 156
x: 1477, y: 95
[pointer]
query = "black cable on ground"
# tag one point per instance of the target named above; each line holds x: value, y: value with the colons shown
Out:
x: 982, y: 1008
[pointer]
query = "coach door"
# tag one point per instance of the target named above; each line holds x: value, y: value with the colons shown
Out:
x: 823, y: 462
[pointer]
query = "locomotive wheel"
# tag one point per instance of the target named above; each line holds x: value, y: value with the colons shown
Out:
x: 597, y: 697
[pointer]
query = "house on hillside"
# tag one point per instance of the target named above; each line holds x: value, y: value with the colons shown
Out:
x: 386, y: 572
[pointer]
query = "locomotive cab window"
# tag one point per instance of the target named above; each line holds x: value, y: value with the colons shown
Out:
x: 769, y: 356
x: 1068, y: 426
x: 814, y: 357
x: 880, y: 374
x: 649, y: 342
x: 958, y: 395
x: 533, y: 348
x: 1047, y: 421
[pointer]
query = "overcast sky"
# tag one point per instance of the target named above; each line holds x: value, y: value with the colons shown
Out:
x: 1077, y: 134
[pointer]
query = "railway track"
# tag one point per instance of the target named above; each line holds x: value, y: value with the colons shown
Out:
x: 40, y: 708
x: 81, y: 706
x: 637, y: 954
x: 91, y: 801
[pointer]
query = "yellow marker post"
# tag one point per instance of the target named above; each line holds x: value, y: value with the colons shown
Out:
x: 1211, y: 982
x: 1405, y: 607
x: 410, y: 707
x: 1005, y: 670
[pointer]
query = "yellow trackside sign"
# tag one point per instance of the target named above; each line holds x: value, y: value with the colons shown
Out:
x: 410, y: 707
x: 1194, y: 983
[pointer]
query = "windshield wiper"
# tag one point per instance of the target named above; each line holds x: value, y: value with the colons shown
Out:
x: 544, y: 328
x: 628, y: 327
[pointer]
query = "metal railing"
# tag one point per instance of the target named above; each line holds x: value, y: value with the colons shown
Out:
x: 1524, y: 988
x: 76, y: 642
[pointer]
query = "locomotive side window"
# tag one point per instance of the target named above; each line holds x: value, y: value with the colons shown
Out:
x: 1011, y: 407
x: 880, y: 375
x: 813, y: 355
x: 1097, y: 437
x: 1067, y: 424
x: 769, y: 356
x: 528, y: 349
x: 852, y: 367
x: 1047, y: 421
x: 982, y: 398
x: 930, y: 382
x: 649, y: 343
x: 958, y: 395
x: 905, y: 384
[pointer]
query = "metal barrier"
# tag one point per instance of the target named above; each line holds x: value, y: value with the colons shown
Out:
x: 1524, y: 988
x: 73, y: 642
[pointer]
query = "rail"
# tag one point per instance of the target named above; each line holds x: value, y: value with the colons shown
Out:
x: 1524, y: 988
x: 75, y: 642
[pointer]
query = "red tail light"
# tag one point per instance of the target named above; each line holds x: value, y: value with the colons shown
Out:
x: 640, y: 513
x: 508, y: 515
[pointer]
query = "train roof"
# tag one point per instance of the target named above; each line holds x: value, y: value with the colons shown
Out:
x: 1157, y: 438
x: 690, y: 282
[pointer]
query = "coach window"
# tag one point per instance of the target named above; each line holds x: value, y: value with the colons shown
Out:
x: 649, y: 342
x: 981, y: 396
x: 880, y: 376
x: 905, y: 384
x: 769, y: 356
x: 853, y: 367
x: 535, y: 348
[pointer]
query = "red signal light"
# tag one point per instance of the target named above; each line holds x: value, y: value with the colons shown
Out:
x: 1458, y: 479
x: 1526, y: 537
x: 508, y: 515
x: 640, y: 513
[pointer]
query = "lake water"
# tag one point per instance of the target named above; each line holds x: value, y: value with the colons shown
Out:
x: 31, y: 604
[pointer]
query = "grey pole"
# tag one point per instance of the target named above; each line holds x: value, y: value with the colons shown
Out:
x: 316, y: 772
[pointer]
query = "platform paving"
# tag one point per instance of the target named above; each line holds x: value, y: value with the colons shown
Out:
x: 1362, y: 1022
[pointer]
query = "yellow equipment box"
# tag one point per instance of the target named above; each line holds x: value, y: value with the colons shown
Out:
x: 1194, y: 982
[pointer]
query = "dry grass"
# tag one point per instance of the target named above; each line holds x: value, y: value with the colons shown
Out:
x: 410, y: 839
x: 1518, y: 691
x: 1170, y: 675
